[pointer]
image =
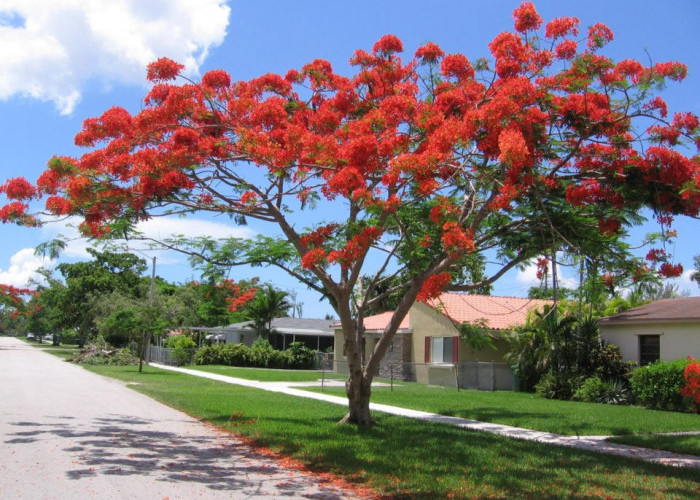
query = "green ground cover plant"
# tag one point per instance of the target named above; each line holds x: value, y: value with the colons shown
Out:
x: 403, y: 458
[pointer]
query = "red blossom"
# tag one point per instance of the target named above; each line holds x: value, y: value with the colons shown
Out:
x: 18, y: 189
x: 561, y: 27
x: 457, y: 66
x: 388, y: 44
x: 691, y: 387
x: 313, y: 257
x: 58, y: 205
x: 433, y: 286
x: 163, y: 69
x: 669, y: 270
x: 430, y: 52
x: 216, y: 79
x: 599, y: 35
x: 526, y: 18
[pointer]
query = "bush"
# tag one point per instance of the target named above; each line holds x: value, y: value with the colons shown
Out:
x: 657, y: 385
x: 558, y: 385
x: 69, y: 337
x: 595, y: 390
x: 183, y: 349
x: 300, y: 356
x: 261, y: 355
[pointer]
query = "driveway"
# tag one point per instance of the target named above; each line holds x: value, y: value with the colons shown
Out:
x: 66, y: 433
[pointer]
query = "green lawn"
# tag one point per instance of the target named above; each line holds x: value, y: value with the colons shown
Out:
x: 268, y: 374
x: 409, y: 459
x: 530, y: 411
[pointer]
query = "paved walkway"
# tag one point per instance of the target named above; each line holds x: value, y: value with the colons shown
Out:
x: 590, y: 443
x: 67, y: 433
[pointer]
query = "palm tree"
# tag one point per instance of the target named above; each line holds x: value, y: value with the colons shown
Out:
x: 267, y: 305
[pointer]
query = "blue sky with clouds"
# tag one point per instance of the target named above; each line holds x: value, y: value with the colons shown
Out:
x: 66, y: 60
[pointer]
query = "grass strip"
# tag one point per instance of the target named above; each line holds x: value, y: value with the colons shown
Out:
x: 268, y: 374
x: 404, y: 458
x: 530, y: 411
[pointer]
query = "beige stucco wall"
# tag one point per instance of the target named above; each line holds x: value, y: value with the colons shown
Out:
x: 677, y: 340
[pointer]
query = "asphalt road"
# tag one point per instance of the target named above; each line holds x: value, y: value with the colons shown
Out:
x: 66, y: 433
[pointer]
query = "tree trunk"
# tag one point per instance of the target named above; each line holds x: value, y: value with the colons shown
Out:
x: 359, y: 392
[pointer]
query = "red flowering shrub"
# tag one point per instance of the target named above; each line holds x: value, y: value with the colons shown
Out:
x: 691, y: 389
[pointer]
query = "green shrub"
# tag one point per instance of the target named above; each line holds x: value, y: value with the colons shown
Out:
x: 591, y: 391
x: 235, y: 355
x: 69, y: 337
x: 263, y: 355
x: 657, y: 385
x: 183, y: 349
x: 207, y: 355
x: 301, y: 357
x: 558, y: 385
x: 595, y: 390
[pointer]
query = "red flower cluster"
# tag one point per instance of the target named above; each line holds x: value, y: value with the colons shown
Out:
x: 691, y: 388
x: 163, y: 69
x: 18, y: 189
x: 433, y: 286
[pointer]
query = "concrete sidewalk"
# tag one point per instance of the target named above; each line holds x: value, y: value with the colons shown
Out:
x: 67, y: 433
x: 590, y: 443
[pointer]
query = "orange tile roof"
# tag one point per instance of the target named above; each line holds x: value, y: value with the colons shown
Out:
x: 379, y: 321
x: 499, y: 312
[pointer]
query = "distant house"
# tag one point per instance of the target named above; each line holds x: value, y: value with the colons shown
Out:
x: 427, y: 347
x: 314, y: 333
x: 665, y: 330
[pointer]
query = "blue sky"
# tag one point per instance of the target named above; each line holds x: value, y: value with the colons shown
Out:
x: 67, y: 60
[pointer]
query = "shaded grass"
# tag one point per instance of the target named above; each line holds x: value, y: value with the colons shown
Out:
x: 530, y: 411
x: 409, y: 459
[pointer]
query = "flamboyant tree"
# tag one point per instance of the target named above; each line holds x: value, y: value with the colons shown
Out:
x: 403, y: 173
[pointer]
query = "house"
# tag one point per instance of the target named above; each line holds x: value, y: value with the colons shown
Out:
x: 665, y: 330
x: 427, y: 347
x: 314, y: 333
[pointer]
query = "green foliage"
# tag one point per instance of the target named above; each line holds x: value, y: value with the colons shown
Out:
x: 69, y: 336
x: 559, y: 385
x: 554, y: 354
x: 300, y: 356
x: 596, y: 390
x: 268, y: 304
x: 261, y: 355
x: 477, y: 335
x: 265, y: 356
x: 223, y: 354
x: 183, y: 349
x: 657, y: 385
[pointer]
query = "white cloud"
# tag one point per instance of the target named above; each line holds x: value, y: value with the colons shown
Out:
x: 51, y: 48
x: 528, y: 277
x: 23, y: 267
x: 157, y: 228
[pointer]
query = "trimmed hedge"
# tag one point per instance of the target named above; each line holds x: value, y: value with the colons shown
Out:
x: 260, y: 355
x: 657, y: 385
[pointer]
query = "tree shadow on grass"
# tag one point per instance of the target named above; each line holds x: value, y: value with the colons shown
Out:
x: 420, y: 460
x: 124, y: 445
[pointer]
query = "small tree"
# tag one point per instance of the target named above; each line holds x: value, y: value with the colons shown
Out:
x: 267, y: 305
x: 416, y: 168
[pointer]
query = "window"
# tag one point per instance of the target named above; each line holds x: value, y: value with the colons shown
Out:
x: 441, y: 349
x: 649, y: 349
